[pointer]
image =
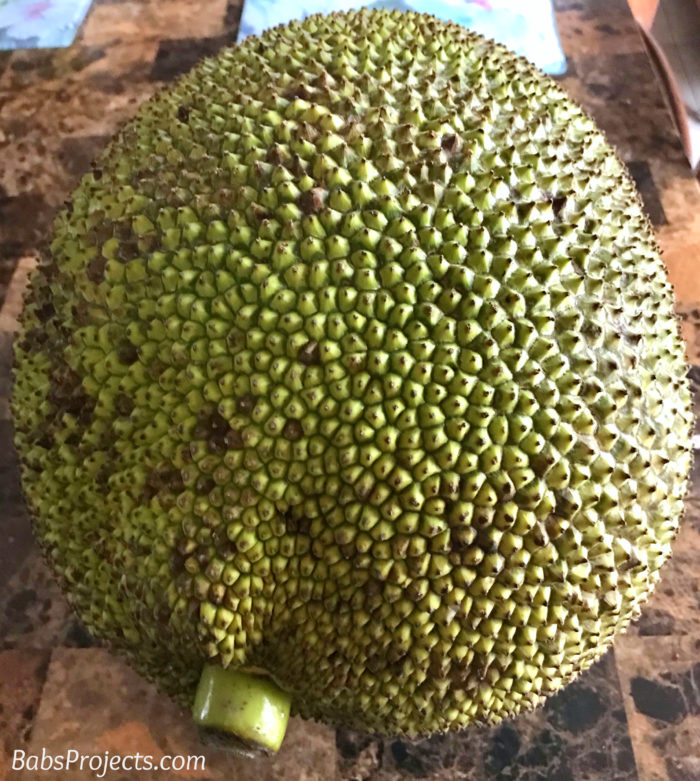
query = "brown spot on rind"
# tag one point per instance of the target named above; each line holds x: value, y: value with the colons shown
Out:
x: 275, y: 155
x: 155, y: 368
x: 296, y: 166
x: 217, y: 442
x: 175, y: 482
x: 45, y: 312
x: 311, y: 201
x: 451, y: 143
x: 127, y: 352
x: 246, y: 403
x: 218, y: 422
x: 46, y: 441
x: 309, y: 354
x: 307, y: 132
x: 183, y: 113
x: 200, y: 431
x: 123, y: 404
x: 259, y: 212
x: 79, y: 310
x: 95, y: 271
x: 34, y: 339
x: 293, y: 430
x: 558, y: 203
x: 323, y: 80
x: 128, y: 250
x: 148, y: 492
x: 205, y: 484
x: 233, y: 439
x: 300, y: 91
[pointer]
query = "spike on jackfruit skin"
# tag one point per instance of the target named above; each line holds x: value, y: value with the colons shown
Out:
x: 354, y: 360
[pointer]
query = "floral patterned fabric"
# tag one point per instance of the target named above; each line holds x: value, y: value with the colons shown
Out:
x: 32, y: 24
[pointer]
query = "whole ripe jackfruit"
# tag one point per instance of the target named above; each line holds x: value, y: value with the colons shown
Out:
x: 353, y: 365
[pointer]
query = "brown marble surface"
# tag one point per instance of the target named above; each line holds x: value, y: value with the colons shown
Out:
x: 635, y: 716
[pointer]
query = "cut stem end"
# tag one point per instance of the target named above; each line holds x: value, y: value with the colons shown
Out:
x: 248, y: 707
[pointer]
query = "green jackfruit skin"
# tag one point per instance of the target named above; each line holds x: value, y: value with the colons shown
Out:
x: 354, y: 360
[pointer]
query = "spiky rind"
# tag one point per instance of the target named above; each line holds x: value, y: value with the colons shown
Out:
x: 355, y: 359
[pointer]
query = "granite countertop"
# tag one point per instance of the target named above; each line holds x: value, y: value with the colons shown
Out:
x: 634, y: 715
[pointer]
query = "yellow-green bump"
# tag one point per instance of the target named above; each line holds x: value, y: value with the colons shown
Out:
x: 249, y: 706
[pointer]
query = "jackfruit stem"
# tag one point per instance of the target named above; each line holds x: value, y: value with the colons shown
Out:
x: 243, y: 711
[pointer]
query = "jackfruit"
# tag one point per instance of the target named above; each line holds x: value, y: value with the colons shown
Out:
x: 352, y: 376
